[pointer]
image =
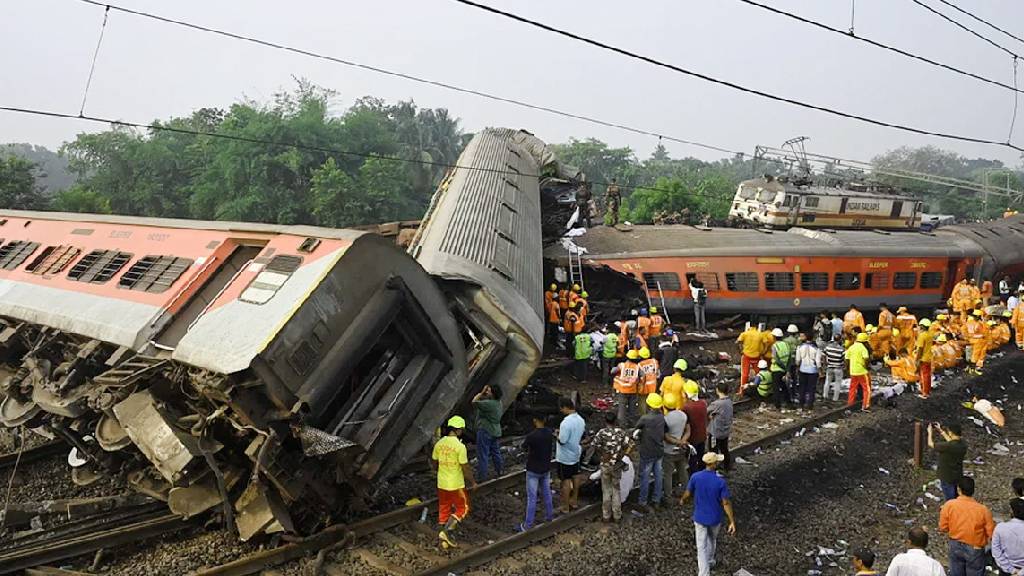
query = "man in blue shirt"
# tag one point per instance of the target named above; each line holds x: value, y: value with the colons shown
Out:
x: 567, y: 454
x: 710, y: 499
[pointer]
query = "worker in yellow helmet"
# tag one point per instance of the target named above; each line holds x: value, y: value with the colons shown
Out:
x: 650, y: 433
x: 925, y: 357
x: 977, y: 338
x: 584, y: 304
x: 858, y: 357
x: 552, y: 314
x: 1017, y: 322
x: 450, y: 461
x: 649, y: 371
x: 627, y: 385
x: 656, y: 328
x: 677, y: 449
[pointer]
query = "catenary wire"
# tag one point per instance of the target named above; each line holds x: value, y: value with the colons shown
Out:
x: 982, y: 20
x: 901, y: 52
x: 95, y: 55
x: 729, y: 84
x: 406, y: 76
x: 965, y: 28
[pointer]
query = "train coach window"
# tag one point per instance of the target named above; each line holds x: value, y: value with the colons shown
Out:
x: 778, y: 281
x: 710, y: 280
x: 742, y: 281
x: 53, y: 260
x: 270, y: 279
x: 931, y: 279
x: 98, y: 266
x: 15, y: 252
x: 814, y: 281
x: 846, y: 281
x: 811, y: 202
x: 154, y: 273
x: 876, y: 281
x: 905, y: 281
x: 664, y: 280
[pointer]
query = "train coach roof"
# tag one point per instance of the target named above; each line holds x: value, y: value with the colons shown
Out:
x: 679, y: 240
x: 218, y: 225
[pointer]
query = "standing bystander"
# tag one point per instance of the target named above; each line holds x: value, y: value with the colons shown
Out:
x: 538, y: 471
x: 567, y: 455
x: 951, y: 453
x: 487, y: 405
x: 833, y: 367
x: 677, y: 446
x: 711, y: 498
x: 808, y: 364
x: 969, y: 526
x: 1008, y: 541
x: 650, y: 431
x: 697, y: 415
x: 611, y: 444
x: 863, y: 562
x: 720, y: 414
x: 915, y: 561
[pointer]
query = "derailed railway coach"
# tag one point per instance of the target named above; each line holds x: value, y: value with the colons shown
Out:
x: 801, y: 271
x: 270, y: 372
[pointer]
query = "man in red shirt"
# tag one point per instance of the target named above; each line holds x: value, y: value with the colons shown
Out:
x: 696, y: 411
x: 969, y: 526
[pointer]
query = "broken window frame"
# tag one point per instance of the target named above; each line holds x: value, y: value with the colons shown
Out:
x: 53, y: 260
x: 15, y: 252
x: 154, y: 273
x: 270, y: 279
x: 742, y: 282
x: 669, y: 281
x: 99, y: 266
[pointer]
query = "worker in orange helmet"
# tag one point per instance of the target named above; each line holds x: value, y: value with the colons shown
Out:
x: 985, y: 292
x: 923, y: 353
x: 885, y: 325
x: 552, y: 313
x: 853, y: 317
x: 750, y: 347
x: 977, y: 337
x: 649, y: 372
x: 1017, y: 322
x: 906, y: 323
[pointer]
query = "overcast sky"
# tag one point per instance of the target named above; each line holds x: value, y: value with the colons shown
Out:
x: 149, y: 70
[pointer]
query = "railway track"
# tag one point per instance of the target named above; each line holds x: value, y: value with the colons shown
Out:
x: 34, y: 454
x: 404, y: 542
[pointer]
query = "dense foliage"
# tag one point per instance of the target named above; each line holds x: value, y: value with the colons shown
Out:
x: 18, y: 187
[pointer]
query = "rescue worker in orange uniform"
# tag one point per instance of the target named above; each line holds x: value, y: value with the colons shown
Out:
x: 649, y: 372
x: 657, y: 327
x: 573, y: 324
x: 563, y: 299
x: 552, y: 313
x: 584, y: 305
x: 885, y: 325
x: 750, y: 346
x: 626, y: 384
x: 961, y: 299
x: 643, y: 324
x: 1017, y: 322
x: 999, y: 335
x: 924, y: 356
x: 905, y: 322
x: 574, y: 295
x: 986, y: 292
x: 902, y: 366
x: 977, y: 337
x: 852, y: 318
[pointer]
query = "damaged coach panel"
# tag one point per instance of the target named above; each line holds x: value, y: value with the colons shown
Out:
x: 270, y: 371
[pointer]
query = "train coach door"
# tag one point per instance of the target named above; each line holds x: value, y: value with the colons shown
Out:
x: 897, y: 207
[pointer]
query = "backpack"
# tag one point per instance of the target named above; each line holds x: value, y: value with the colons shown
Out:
x: 702, y: 296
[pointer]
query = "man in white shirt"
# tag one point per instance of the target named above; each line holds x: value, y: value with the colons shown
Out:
x: 915, y: 561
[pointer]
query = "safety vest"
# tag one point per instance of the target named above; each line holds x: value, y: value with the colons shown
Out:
x: 885, y: 320
x: 974, y: 330
x: 563, y: 299
x: 571, y: 322
x: 611, y: 346
x: 582, y: 346
x: 781, y: 353
x: 765, y: 388
x: 584, y: 307
x: 626, y: 380
x: 905, y: 323
x: 554, y: 312
x: 649, y: 371
x: 853, y: 318
x: 657, y: 323
x: 643, y: 326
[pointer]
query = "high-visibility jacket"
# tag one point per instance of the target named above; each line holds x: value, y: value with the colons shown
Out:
x: 903, y: 367
x: 852, y: 318
x: 765, y: 387
x: 975, y: 330
x: 885, y: 320
x: 572, y: 323
x: 924, y: 346
x: 782, y: 355
x: 554, y: 312
x: 611, y: 346
x: 657, y: 325
x: 582, y: 347
x: 649, y: 371
x: 750, y: 342
x: 627, y: 378
x: 643, y: 326
x: 563, y: 299
x: 961, y: 296
x: 584, y: 308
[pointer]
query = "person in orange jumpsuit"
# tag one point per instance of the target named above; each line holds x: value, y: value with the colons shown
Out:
x: 552, y: 313
x: 885, y: 326
x: 750, y: 347
x: 657, y: 326
x: 902, y: 367
x: 573, y: 296
x: 584, y: 305
x: 563, y: 299
x: 852, y: 318
x: 961, y: 300
x: 977, y: 337
x: 649, y: 372
x: 573, y: 324
x: 998, y: 335
x: 986, y: 292
x: 643, y: 324
x: 1017, y: 322
x: 906, y: 323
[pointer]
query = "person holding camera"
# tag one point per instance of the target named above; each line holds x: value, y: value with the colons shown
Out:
x: 951, y: 452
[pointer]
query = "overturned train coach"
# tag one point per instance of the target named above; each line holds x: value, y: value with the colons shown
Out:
x: 272, y: 372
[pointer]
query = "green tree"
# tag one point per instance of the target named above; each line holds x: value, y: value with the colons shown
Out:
x: 18, y: 188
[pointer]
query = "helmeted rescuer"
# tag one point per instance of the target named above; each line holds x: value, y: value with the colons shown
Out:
x: 750, y: 346
x: 883, y: 342
x: 572, y: 323
x: 649, y: 371
x: 853, y: 317
x: 858, y: 356
x: 450, y: 460
x: 762, y: 386
x: 626, y: 383
x: 574, y: 295
x: 675, y: 384
x: 923, y: 354
x: 552, y: 313
x: 977, y: 338
x: 612, y: 201
x: 905, y: 323
x: 609, y: 352
x: 581, y: 355
x: 584, y: 305
x: 643, y: 324
x: 1017, y: 322
x: 1001, y: 331
x: 657, y: 325
x: 782, y: 357
x: 563, y: 299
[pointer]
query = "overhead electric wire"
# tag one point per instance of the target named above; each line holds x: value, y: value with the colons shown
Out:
x: 95, y: 56
x: 406, y: 76
x: 965, y: 28
x: 850, y: 34
x: 321, y: 149
x: 982, y: 20
x: 729, y: 84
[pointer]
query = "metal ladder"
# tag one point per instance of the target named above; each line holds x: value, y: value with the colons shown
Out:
x: 576, y: 268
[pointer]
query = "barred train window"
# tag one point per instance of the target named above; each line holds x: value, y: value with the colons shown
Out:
x: 98, y: 266
x: 778, y: 281
x: 154, y: 273
x: 53, y: 260
x: 931, y: 280
x: 710, y: 280
x: 15, y: 252
x: 876, y: 281
x: 813, y: 281
x: 846, y: 281
x: 742, y: 281
x: 667, y: 280
x: 905, y: 281
x: 270, y: 279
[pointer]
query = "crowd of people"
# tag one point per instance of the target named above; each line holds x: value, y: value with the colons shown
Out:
x: 671, y: 446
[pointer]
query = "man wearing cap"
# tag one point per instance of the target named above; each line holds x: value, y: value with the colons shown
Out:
x: 750, y: 347
x: 858, y: 357
x: 627, y: 385
x: 650, y: 435
x: 792, y: 377
x: 451, y: 463
x: 711, y: 499
x: 977, y: 338
x: 924, y: 356
x: 782, y: 357
x: 697, y: 415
